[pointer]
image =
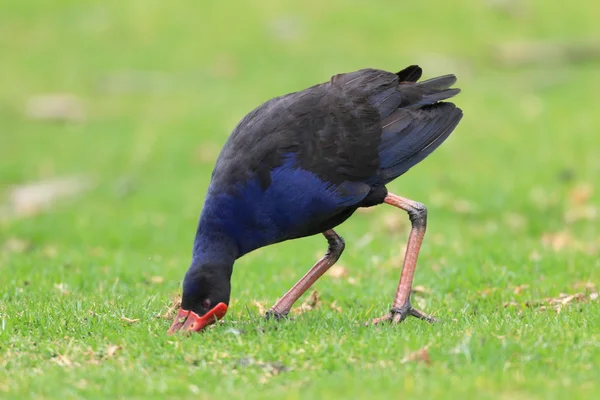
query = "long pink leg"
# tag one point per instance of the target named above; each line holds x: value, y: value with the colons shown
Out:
x: 334, y: 251
x: 402, y: 308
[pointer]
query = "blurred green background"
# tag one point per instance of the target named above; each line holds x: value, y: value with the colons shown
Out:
x: 112, y: 114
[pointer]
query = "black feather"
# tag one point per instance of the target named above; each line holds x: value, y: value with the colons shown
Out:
x: 355, y: 133
x: 419, y: 132
x: 410, y: 74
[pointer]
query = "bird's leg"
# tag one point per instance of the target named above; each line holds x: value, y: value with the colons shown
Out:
x: 283, y: 305
x: 402, y: 308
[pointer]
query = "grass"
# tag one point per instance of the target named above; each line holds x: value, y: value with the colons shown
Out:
x: 501, y: 194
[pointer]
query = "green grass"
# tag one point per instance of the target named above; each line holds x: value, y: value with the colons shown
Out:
x: 505, y: 180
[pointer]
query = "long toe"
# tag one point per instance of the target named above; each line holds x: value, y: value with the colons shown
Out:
x: 380, y: 320
x: 421, y: 315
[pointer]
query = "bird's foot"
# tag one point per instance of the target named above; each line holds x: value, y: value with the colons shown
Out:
x: 275, y: 315
x: 399, y: 314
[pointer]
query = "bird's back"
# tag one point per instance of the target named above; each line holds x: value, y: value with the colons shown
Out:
x: 303, y: 162
x: 329, y: 133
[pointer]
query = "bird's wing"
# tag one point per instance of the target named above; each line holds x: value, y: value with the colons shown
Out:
x: 412, y: 119
x: 367, y: 126
x: 410, y: 135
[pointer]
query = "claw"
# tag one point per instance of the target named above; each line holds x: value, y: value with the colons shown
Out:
x: 275, y: 316
x: 398, y: 315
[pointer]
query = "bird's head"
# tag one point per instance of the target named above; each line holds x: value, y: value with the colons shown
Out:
x: 206, y: 291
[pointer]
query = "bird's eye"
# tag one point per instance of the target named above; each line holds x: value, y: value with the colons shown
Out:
x: 206, y: 303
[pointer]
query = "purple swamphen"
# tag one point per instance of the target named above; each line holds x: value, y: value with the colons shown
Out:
x: 302, y: 164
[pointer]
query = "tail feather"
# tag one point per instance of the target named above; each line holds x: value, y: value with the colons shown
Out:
x: 414, y: 120
x: 439, y: 83
x: 406, y: 93
x: 435, y: 141
x: 438, y: 89
x: 410, y: 74
x: 439, y: 96
x: 414, y: 134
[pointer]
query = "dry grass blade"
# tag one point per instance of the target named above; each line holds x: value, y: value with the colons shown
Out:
x: 421, y: 355
x: 335, y: 307
x: 556, y: 303
x: 517, y: 9
x: 111, y: 350
x: 421, y: 290
x: 309, y: 304
x: 58, y: 107
x: 585, y: 285
x: 63, y: 361
x: 62, y: 288
x: 520, y: 288
x: 16, y: 245
x: 172, y: 310
x: 523, y: 53
x: 580, y: 208
x: 581, y: 194
x: 261, y: 307
x: 337, y: 272
x: 558, y: 240
x: 564, y: 299
x: 32, y: 198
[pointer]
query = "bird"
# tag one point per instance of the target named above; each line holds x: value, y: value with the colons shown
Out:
x: 300, y: 165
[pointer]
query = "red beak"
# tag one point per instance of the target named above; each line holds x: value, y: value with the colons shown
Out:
x: 189, y: 321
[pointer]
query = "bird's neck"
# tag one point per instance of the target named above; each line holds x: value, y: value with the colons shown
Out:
x: 213, y: 247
